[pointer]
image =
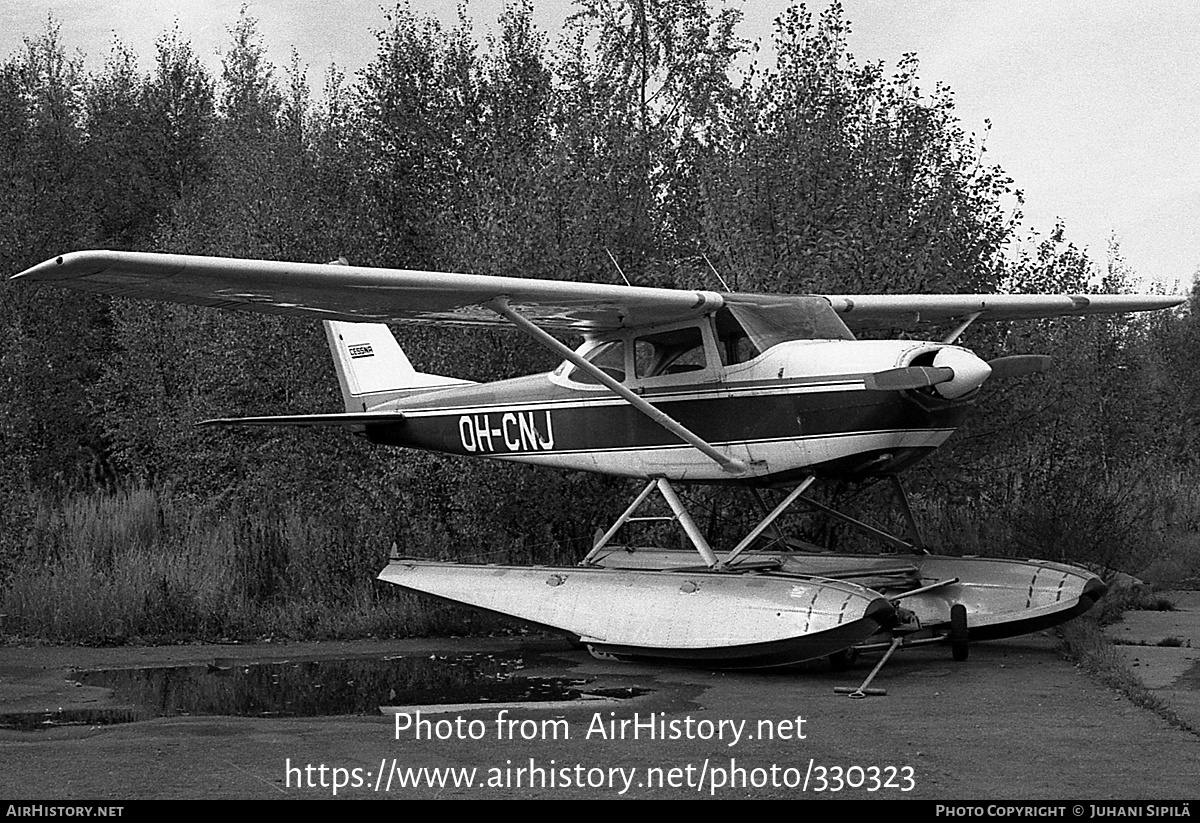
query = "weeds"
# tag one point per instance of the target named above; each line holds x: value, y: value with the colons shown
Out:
x: 135, y: 566
x: 1083, y: 641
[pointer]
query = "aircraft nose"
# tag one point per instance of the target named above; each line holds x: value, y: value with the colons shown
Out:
x: 969, y: 372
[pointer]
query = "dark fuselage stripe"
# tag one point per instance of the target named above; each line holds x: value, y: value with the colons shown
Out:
x: 604, y: 425
x: 599, y: 399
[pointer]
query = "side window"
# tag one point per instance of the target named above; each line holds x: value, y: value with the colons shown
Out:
x: 738, y: 350
x: 669, y: 353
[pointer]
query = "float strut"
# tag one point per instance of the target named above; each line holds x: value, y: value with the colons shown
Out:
x: 621, y: 521
x: 862, y: 691
x: 765, y: 523
x: 913, y: 534
x: 685, y: 520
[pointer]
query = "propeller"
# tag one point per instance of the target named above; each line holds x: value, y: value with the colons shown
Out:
x: 907, y: 378
x: 1019, y: 365
x: 957, y: 372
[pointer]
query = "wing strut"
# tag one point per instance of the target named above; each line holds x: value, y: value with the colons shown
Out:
x: 729, y: 464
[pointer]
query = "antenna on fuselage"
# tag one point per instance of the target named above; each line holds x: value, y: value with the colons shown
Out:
x: 618, y: 265
x: 715, y: 272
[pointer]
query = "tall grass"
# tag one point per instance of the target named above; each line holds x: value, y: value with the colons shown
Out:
x: 137, y: 565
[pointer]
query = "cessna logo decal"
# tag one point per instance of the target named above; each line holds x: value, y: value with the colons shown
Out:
x: 508, y: 432
x: 361, y: 350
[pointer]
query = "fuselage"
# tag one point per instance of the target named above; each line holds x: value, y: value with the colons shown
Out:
x: 800, y: 407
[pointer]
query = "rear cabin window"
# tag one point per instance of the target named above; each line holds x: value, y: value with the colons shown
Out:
x: 609, y: 357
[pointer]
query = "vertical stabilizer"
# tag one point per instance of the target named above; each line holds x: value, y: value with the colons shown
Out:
x: 371, y: 367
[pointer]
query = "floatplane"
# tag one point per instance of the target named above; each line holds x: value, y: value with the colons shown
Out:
x: 672, y: 387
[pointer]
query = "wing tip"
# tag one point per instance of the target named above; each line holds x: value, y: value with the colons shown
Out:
x: 73, y: 264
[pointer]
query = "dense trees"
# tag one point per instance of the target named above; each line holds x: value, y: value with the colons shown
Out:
x: 647, y: 133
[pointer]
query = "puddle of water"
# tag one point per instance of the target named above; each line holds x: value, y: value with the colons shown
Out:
x: 309, y: 689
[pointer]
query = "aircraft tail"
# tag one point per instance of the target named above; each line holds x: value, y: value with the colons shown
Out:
x: 372, y: 369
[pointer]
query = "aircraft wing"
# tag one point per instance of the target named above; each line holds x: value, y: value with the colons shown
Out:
x: 367, y: 295
x: 375, y: 295
x: 874, y: 311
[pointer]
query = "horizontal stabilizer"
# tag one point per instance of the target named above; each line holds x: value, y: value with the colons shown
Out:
x: 354, y: 420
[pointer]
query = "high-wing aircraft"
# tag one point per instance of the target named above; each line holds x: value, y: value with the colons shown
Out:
x: 672, y: 387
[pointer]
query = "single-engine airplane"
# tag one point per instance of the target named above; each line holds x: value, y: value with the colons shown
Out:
x: 672, y: 387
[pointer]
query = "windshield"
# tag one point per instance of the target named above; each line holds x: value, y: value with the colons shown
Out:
x: 768, y: 321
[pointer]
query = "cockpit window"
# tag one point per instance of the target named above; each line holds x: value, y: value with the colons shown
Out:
x: 733, y: 343
x: 678, y: 351
x: 660, y: 354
